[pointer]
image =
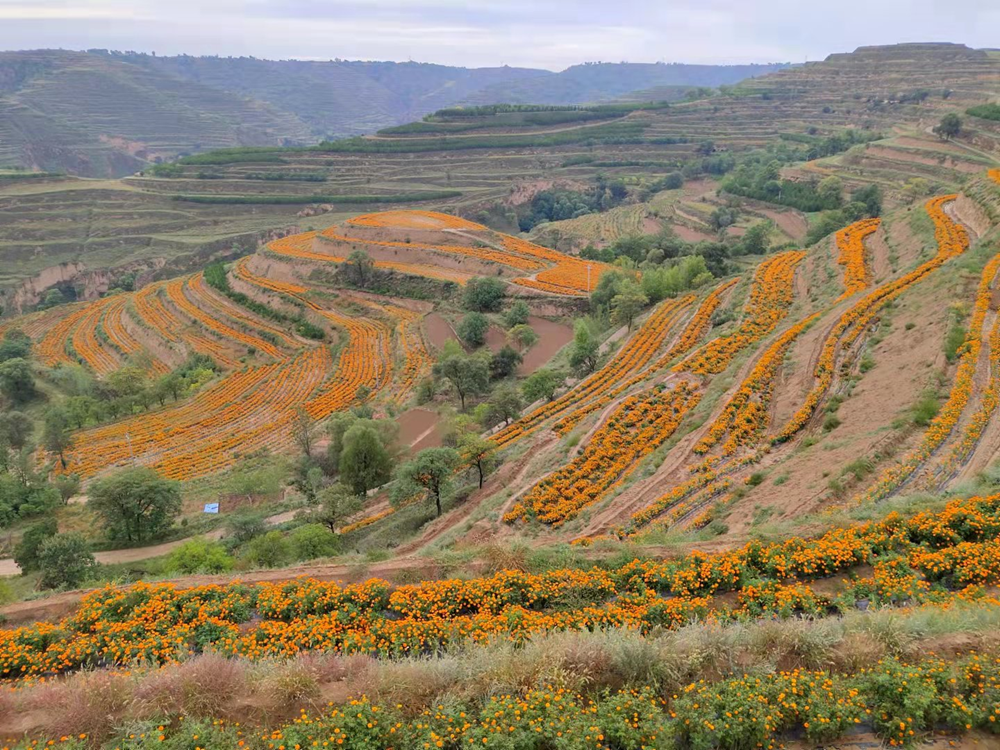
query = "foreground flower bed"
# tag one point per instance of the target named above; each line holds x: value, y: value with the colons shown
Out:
x: 932, y: 557
x: 892, y: 699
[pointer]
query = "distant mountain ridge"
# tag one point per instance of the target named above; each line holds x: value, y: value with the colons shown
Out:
x: 99, y: 113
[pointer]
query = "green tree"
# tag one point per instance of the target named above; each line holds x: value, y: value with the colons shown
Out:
x: 365, y: 462
x: 336, y: 505
x: 504, y: 363
x: 469, y: 375
x: 505, y: 405
x: 949, y: 127
x: 17, y: 382
x: 26, y: 551
x: 15, y: 345
x: 523, y: 336
x: 472, y: 329
x: 517, y: 314
x: 15, y: 429
x: 542, y: 383
x: 673, y: 181
x: 134, y: 504
x: 199, y: 556
x: 831, y: 192
x: 245, y: 525
x: 584, y: 354
x: 359, y: 268
x: 485, y: 294
x: 757, y: 239
x: 65, y: 561
x: 67, y: 485
x: 606, y: 289
x: 431, y: 471
x: 478, y: 453
x: 56, y: 434
x: 628, y: 303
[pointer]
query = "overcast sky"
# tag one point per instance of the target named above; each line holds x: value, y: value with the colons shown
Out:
x: 537, y: 33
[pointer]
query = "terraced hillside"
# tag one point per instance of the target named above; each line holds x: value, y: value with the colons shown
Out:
x: 488, y: 167
x: 721, y: 476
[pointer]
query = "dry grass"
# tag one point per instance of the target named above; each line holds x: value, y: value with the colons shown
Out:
x: 104, y: 703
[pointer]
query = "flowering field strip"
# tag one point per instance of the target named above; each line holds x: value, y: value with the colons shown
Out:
x: 208, y: 299
x: 570, y: 275
x: 770, y: 297
x: 85, y: 342
x: 247, y: 410
x: 990, y: 397
x: 951, y: 411
x: 569, y: 421
x: 241, y: 269
x: 300, y: 246
x: 241, y: 431
x: 745, y: 416
x: 176, y: 293
x: 482, y: 253
x: 952, y: 240
x: 412, y: 219
x: 637, y: 427
x: 366, y: 360
x: 851, y: 243
x: 934, y: 558
x: 633, y: 356
x: 119, y: 336
x: 51, y: 349
x: 156, y: 315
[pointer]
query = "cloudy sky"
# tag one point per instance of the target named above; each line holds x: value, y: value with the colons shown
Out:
x: 538, y: 33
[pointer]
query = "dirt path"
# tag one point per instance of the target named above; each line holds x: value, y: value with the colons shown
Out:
x: 439, y: 330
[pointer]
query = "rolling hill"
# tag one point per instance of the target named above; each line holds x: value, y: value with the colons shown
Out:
x: 102, y: 114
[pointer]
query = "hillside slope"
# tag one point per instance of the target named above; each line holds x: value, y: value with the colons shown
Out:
x: 595, y: 82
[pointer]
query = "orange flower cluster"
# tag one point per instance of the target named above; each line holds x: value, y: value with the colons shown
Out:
x: 85, y: 342
x: 412, y: 219
x: 990, y: 397
x: 636, y: 428
x: 933, y: 556
x: 770, y: 297
x: 301, y: 246
x: 745, y: 415
x: 210, y: 301
x: 570, y: 275
x: 632, y: 357
x: 120, y: 337
x: 241, y: 270
x: 952, y: 241
x: 947, y: 418
x: 156, y: 315
x: 51, y: 350
x: 483, y: 253
x: 244, y: 412
x: 691, y: 335
x: 851, y: 242
x: 994, y: 175
x: 176, y: 294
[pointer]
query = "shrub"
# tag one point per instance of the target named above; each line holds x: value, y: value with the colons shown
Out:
x: 313, y: 540
x: 199, y: 556
x: 472, y: 330
x: 65, y: 560
x: 485, y: 294
x: 268, y: 551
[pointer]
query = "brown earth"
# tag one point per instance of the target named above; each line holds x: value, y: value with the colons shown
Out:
x: 439, y: 330
x: 552, y: 337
